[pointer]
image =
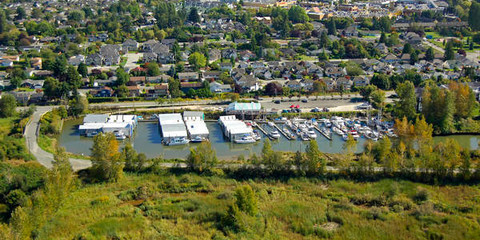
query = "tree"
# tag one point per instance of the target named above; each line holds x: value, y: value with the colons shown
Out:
x: 297, y: 14
x: 407, y: 48
x: 378, y: 98
x: 246, y: 201
x: 413, y: 57
x: 429, y: 54
x: 407, y: 103
x: 130, y: 156
x: 198, y: 60
x: 331, y: 27
x: 315, y: 164
x: 367, y: 91
x: 193, y: 16
x: 381, y: 81
x: 107, y: 164
x: 21, y: 14
x: 203, y: 158
x: 3, y: 22
x: 465, y: 101
x: 122, y: 91
x: 383, y: 38
x: 153, y: 69
x: 78, y: 106
x: 8, y: 106
x: 122, y: 76
x: 474, y: 16
x: 73, y: 78
x: 273, y: 89
x: 82, y: 69
x: 174, y: 88
x: 449, y: 52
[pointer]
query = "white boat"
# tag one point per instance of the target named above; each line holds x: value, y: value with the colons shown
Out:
x: 256, y: 135
x: 271, y: 124
x: 198, y: 139
x: 305, y: 137
x: 275, y: 134
x: 311, y: 134
x: 245, y: 139
x: 337, y: 131
x: 345, y: 137
x: 119, y: 135
x: 177, y: 141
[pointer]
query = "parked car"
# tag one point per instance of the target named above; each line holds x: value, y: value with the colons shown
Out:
x: 286, y: 111
x: 277, y: 101
x: 304, y: 100
x: 315, y: 110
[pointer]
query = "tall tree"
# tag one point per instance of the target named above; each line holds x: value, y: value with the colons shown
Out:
x: 8, y: 106
x: 203, y: 158
x: 449, y: 52
x: 193, y: 16
x: 315, y: 163
x: 407, y: 103
x: 82, y: 69
x: 3, y: 22
x: 474, y: 16
x: 107, y: 164
x: 429, y: 54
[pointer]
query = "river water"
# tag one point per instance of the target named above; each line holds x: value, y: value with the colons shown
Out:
x: 147, y: 139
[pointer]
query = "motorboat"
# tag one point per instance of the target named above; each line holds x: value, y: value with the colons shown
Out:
x: 305, y: 137
x: 337, y: 131
x: 345, y: 137
x: 119, y: 135
x: 271, y: 124
x: 311, y: 134
x: 354, y: 134
x: 245, y: 139
x: 177, y: 141
x: 256, y: 135
x: 198, y: 139
x: 275, y: 134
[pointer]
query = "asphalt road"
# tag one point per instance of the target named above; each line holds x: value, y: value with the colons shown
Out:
x: 43, y: 157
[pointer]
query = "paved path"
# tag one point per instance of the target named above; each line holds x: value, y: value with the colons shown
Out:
x: 43, y: 157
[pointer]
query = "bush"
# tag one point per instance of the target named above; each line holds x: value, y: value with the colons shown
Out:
x: 421, y: 195
x: 100, y: 200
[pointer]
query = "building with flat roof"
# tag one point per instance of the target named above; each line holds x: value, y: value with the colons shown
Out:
x: 233, y: 128
x: 196, y: 127
x: 172, y: 126
x: 120, y: 125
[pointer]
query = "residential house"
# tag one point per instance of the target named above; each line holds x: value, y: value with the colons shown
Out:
x: 390, y: 58
x: 102, y: 92
x: 159, y: 90
x: 226, y: 67
x: 214, y: 55
x: 188, y: 76
x: 6, y: 63
x: 211, y: 75
x: 307, y: 84
x: 110, y: 54
x: 33, y: 84
x: 229, y: 53
x: 135, y: 81
x: 186, y: 86
x: 76, y: 60
x: 330, y: 84
x: 36, y: 63
x: 344, y: 83
x: 94, y: 59
x: 216, y: 87
x: 361, y: 81
x: 158, y: 79
x: 294, y: 85
x: 335, y: 72
x: 130, y: 45
x: 248, y: 83
x: 133, y: 91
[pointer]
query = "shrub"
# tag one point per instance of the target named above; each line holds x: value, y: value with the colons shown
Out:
x: 421, y: 195
x: 100, y: 200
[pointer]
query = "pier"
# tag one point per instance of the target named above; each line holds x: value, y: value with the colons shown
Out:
x: 263, y: 131
x: 282, y: 132
x: 323, y: 133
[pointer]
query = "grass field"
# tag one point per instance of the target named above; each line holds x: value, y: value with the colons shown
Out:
x: 188, y: 206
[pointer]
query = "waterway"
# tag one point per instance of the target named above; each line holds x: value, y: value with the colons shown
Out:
x: 147, y: 139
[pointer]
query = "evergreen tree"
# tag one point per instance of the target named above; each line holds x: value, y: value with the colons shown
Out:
x: 8, y: 105
x: 449, y: 52
x: 407, y: 103
x: 430, y: 54
x: 331, y: 27
x: 193, y: 16
x: 82, y: 69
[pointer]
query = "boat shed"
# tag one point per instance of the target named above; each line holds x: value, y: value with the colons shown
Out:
x: 95, y: 118
x: 250, y: 110
x: 172, y: 126
x: 233, y: 128
x: 195, y: 124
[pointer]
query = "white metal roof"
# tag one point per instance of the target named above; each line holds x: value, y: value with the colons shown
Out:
x: 95, y: 118
x: 196, y: 127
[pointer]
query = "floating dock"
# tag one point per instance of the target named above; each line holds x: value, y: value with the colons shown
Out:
x: 323, y: 133
x: 282, y: 132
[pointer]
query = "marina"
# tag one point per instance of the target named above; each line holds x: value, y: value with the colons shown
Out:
x: 147, y: 139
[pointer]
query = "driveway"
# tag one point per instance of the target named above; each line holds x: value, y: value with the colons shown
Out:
x: 43, y: 157
x: 132, y: 59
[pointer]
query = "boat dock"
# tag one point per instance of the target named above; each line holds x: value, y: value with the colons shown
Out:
x: 282, y: 132
x: 323, y: 133
x: 263, y: 131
